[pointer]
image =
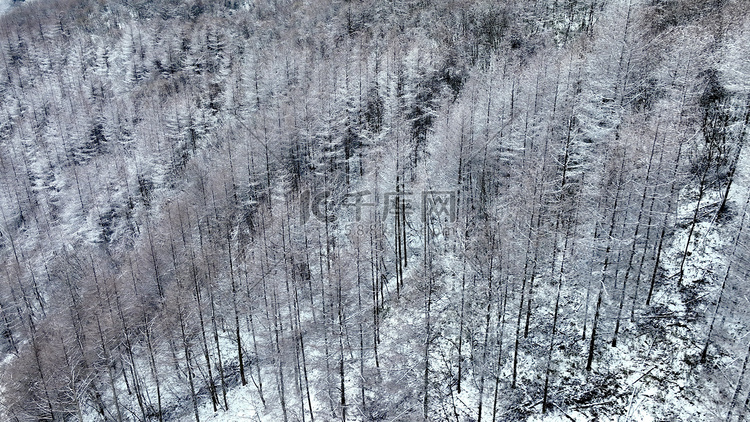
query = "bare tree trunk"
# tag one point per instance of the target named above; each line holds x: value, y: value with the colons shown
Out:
x: 129, y: 349
x: 545, y: 403
x: 199, y: 306
x: 428, y: 325
x: 737, y: 389
x: 461, y: 322
x: 40, y: 371
x: 105, y: 349
x: 238, y: 337
x: 704, y: 352
x: 278, y: 328
x: 212, y: 302
x: 635, y: 234
x: 149, y: 343
x: 693, y: 223
x: 670, y: 202
x: 592, y: 341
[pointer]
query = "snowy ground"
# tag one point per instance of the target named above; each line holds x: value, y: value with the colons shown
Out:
x: 645, y: 386
x: 4, y: 6
x: 244, y: 406
x: 3, y: 364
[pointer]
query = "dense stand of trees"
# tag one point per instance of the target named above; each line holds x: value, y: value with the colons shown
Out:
x: 200, y: 199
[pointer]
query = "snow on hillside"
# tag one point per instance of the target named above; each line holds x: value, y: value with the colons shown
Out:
x: 374, y: 211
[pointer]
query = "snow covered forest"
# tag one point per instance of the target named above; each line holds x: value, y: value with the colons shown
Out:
x: 382, y: 210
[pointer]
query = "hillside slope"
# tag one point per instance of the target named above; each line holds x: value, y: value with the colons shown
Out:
x: 371, y: 211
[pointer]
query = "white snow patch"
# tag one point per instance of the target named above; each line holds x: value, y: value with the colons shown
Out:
x: 4, y: 6
x: 5, y: 362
